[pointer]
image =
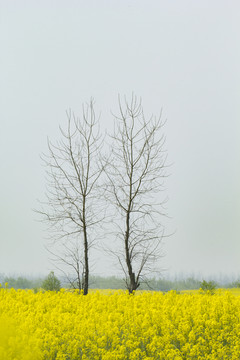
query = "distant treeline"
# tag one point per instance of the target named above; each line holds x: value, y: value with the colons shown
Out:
x: 113, y: 282
x: 151, y: 284
x: 21, y: 282
x: 189, y: 283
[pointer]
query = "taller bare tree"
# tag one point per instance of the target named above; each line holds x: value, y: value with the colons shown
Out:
x: 135, y: 173
x: 72, y: 207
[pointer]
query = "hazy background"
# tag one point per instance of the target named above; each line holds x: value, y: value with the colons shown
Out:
x: 181, y: 56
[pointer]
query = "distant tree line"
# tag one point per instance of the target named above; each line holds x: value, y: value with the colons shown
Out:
x: 114, y: 282
x: 21, y: 282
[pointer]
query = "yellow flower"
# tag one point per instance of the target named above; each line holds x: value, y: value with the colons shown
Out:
x: 113, y: 325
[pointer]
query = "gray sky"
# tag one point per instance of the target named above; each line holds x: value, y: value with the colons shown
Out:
x: 181, y: 56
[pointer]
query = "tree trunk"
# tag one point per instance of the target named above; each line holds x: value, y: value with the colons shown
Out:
x: 86, y: 267
x: 133, y: 285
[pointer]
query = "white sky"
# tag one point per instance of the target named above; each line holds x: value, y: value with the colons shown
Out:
x: 181, y: 56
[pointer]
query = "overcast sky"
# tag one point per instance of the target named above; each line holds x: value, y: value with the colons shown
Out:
x: 180, y: 56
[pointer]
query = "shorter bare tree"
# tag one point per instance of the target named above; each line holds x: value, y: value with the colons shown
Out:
x: 72, y: 208
x: 68, y: 258
x: 135, y: 174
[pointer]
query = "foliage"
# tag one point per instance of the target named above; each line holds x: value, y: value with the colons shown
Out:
x: 22, y: 282
x: 108, y: 282
x: 113, y: 282
x: 235, y: 284
x: 167, y: 284
x: 116, y: 325
x: 208, y: 286
x: 51, y: 282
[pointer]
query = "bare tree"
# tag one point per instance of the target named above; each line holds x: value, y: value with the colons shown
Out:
x: 71, y: 208
x: 69, y: 259
x: 135, y: 173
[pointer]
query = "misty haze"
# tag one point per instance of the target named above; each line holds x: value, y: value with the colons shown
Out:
x: 182, y: 59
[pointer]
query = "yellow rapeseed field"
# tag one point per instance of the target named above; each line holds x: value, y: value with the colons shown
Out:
x: 115, y: 325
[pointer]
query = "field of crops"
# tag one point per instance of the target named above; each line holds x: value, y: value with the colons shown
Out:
x: 115, y: 325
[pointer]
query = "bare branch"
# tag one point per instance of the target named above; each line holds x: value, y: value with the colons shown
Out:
x: 135, y: 176
x: 71, y: 208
